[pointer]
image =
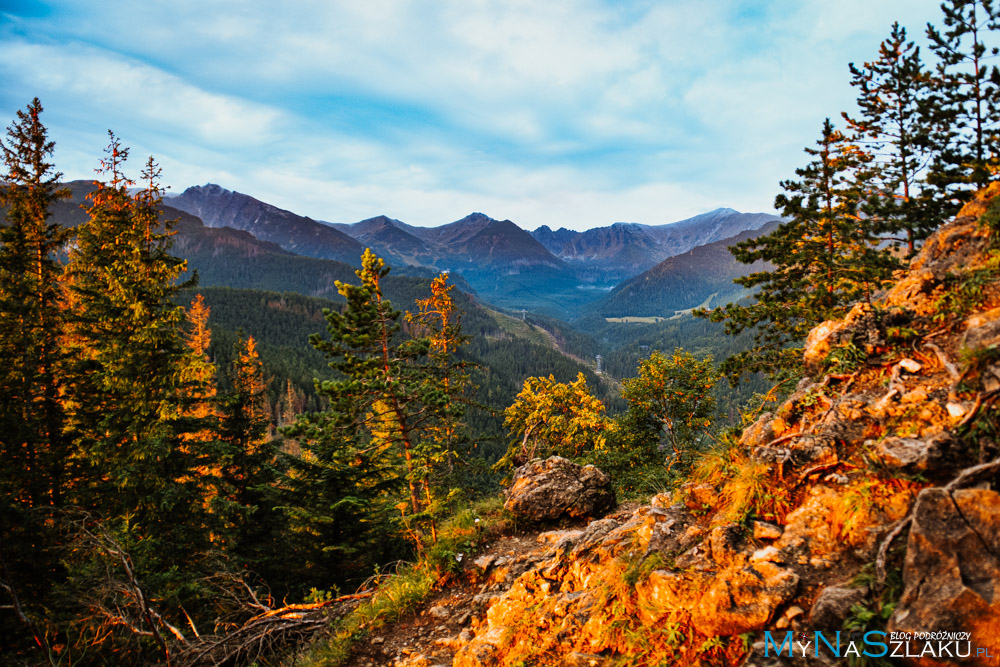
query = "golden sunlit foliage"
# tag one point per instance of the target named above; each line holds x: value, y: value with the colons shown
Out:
x: 550, y: 417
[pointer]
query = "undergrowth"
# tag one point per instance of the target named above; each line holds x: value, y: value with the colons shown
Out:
x: 400, y: 593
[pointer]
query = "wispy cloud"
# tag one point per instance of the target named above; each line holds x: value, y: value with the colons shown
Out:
x: 572, y: 113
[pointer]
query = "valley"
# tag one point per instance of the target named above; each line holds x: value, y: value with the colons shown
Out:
x: 269, y: 273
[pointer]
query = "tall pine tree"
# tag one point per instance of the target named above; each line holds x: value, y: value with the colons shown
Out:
x: 965, y: 108
x: 893, y: 97
x: 33, y: 450
x: 824, y: 258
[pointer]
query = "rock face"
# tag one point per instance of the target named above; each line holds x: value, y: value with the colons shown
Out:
x: 544, y: 490
x: 952, y: 569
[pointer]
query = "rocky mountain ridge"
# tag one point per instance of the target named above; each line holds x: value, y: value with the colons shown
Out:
x: 630, y: 248
x: 864, y: 504
x: 555, y: 273
x: 219, y: 207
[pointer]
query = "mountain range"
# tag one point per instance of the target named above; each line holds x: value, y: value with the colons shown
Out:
x: 702, y: 276
x: 558, y: 273
x: 626, y: 248
x: 621, y: 270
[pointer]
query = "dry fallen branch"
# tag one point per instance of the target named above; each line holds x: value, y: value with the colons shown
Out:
x: 265, y: 634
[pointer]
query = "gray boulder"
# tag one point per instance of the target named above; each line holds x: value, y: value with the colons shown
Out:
x: 544, y: 490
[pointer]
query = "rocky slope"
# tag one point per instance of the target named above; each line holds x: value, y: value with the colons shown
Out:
x: 219, y: 207
x: 866, y: 502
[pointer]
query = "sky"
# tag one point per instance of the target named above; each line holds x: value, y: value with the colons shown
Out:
x: 567, y: 113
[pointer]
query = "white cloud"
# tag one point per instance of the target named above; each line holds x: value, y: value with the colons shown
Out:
x: 568, y: 113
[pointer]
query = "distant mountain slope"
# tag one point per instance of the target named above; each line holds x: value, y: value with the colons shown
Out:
x: 504, y: 244
x: 631, y: 247
x: 219, y: 207
x: 684, y: 281
x: 501, y: 261
x: 228, y: 257
x: 477, y: 240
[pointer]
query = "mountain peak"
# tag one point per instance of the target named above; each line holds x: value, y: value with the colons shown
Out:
x: 208, y: 189
x: 476, y: 217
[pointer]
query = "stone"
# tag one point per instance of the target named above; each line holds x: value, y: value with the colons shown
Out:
x: 575, y: 659
x: 918, y: 395
x: 759, y: 433
x: 545, y: 490
x: 951, y: 575
x: 956, y: 410
x: 762, y: 530
x: 439, y: 612
x: 659, y: 594
x: 699, y: 496
x: 767, y: 555
x: 725, y: 543
x: 484, y: 562
x: 938, y: 456
x: 480, y: 651
x: 557, y: 536
x: 982, y: 330
x: 910, y: 366
x: 744, y: 599
x: 833, y: 605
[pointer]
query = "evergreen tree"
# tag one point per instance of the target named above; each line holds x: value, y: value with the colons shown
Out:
x: 358, y: 456
x: 824, y: 258
x: 964, y: 107
x: 198, y: 377
x: 894, y: 126
x: 124, y: 391
x: 246, y: 461
x: 31, y: 417
x: 33, y: 450
x: 439, y: 320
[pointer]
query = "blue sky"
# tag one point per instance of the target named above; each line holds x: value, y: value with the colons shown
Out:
x: 570, y: 113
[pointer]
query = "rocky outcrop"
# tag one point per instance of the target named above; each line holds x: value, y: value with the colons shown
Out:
x: 544, y: 490
x: 810, y: 509
x: 952, y: 569
x: 833, y: 606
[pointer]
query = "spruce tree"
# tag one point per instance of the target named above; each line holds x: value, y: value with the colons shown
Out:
x: 360, y: 459
x: 245, y: 461
x: 893, y: 97
x: 964, y: 108
x: 124, y: 392
x: 824, y: 258
x: 33, y: 450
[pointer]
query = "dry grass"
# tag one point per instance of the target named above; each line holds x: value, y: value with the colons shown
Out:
x: 747, y: 489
